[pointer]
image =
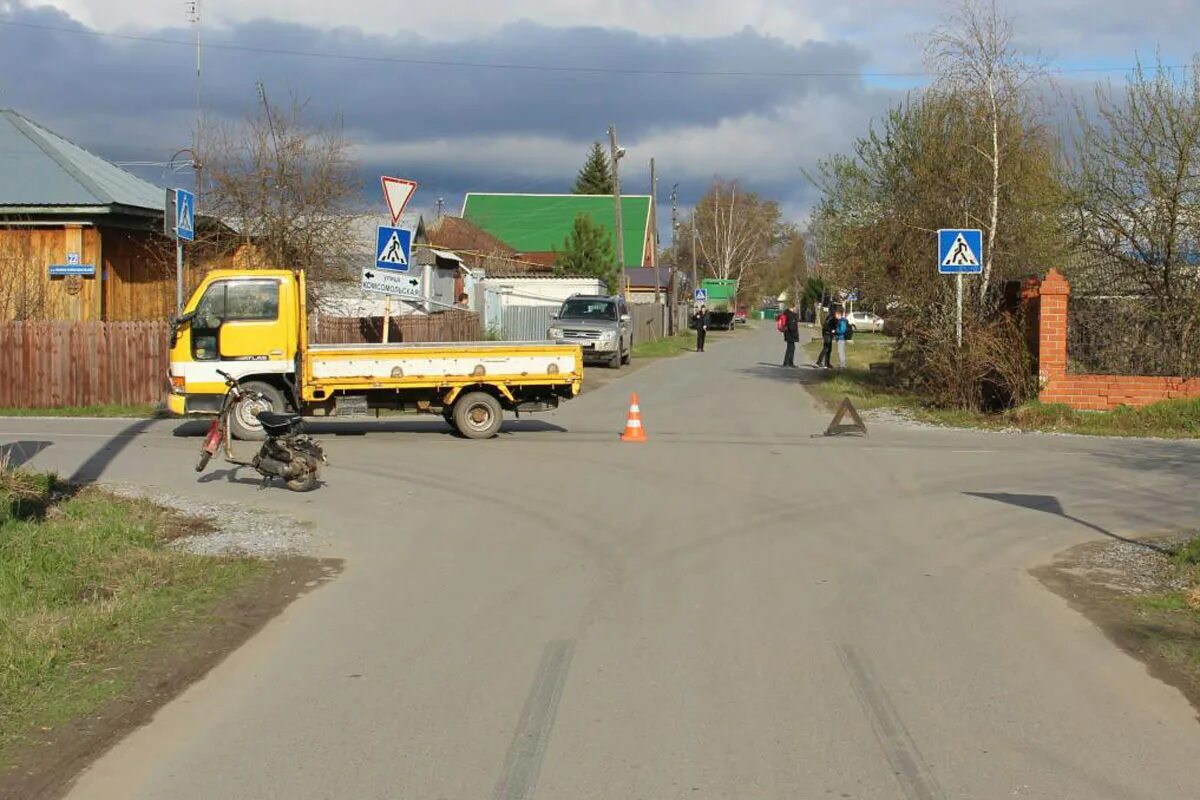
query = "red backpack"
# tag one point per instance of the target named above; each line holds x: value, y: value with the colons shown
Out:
x: 781, y: 322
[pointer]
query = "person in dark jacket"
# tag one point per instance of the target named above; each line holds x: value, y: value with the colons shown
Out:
x: 700, y: 323
x: 828, y: 329
x: 791, y: 335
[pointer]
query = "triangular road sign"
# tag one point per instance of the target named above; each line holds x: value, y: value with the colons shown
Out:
x: 960, y: 254
x: 397, y: 192
x: 856, y: 426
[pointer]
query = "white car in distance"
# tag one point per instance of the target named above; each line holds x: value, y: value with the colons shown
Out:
x: 865, y: 321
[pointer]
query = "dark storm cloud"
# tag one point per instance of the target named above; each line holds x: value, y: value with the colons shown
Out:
x: 386, y: 101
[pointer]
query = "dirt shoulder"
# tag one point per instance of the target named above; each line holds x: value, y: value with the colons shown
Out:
x: 46, y: 764
x: 1142, y: 595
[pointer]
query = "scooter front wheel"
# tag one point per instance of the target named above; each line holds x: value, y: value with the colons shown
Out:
x: 203, y: 461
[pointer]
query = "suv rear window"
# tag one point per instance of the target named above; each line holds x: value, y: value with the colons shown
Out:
x: 589, y: 309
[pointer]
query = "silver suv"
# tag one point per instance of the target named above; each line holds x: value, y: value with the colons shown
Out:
x: 601, y: 325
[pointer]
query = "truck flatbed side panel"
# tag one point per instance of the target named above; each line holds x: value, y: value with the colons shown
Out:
x: 396, y: 366
x: 457, y: 347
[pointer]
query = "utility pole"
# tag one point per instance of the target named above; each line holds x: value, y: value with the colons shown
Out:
x: 616, y: 154
x: 674, y: 216
x: 695, y: 280
x: 654, y: 232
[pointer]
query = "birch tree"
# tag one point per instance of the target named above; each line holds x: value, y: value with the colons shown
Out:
x: 736, y: 231
x: 978, y: 65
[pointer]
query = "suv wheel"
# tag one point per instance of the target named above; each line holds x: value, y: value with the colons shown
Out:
x: 615, y: 361
x: 625, y: 359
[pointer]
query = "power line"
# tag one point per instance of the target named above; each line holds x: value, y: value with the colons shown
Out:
x: 423, y: 62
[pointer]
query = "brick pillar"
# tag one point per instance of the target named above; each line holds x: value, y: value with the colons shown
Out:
x: 1055, y: 293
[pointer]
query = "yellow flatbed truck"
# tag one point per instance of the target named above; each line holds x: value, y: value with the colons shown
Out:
x: 253, y: 325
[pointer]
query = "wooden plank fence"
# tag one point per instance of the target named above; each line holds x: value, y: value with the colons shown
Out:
x: 60, y: 364
x: 65, y: 364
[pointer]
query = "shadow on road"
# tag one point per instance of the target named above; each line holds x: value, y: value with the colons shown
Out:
x: 428, y: 425
x: 1049, y: 504
x: 93, y: 469
x: 18, y: 454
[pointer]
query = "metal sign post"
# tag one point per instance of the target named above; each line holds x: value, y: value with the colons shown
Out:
x: 960, y: 252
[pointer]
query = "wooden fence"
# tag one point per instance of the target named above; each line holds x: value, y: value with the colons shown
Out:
x: 60, y: 364
x: 447, y: 326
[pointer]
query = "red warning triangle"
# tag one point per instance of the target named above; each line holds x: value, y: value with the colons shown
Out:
x: 397, y: 192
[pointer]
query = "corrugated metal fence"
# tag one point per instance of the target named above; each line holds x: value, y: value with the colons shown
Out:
x: 447, y: 326
x: 59, y: 364
x: 526, y: 323
x: 529, y: 323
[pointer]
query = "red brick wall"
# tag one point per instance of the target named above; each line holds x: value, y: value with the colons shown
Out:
x: 1090, y: 392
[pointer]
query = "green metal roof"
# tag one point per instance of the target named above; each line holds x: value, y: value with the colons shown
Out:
x: 41, y: 169
x: 538, y: 223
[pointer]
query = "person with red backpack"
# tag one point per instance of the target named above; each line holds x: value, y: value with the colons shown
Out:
x: 788, y: 323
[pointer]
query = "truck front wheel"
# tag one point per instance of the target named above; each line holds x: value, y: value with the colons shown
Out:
x: 243, y: 421
x: 478, y: 415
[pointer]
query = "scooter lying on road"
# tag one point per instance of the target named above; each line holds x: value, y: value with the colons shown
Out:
x: 286, y: 453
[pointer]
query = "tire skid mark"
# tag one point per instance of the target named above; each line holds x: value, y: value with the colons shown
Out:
x: 523, y: 763
x: 912, y: 773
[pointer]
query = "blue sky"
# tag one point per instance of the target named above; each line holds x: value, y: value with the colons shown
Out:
x: 814, y: 84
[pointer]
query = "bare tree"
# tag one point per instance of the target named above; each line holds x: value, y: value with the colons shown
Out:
x: 736, y: 230
x: 287, y: 189
x: 978, y: 64
x: 1137, y: 180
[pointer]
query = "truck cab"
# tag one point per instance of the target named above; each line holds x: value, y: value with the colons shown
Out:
x: 244, y: 322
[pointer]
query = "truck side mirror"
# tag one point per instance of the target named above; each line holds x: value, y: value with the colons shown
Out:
x: 625, y: 318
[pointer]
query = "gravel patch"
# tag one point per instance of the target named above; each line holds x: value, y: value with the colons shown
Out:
x: 236, y: 530
x: 1130, y: 567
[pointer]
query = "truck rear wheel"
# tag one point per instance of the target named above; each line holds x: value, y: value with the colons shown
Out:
x: 478, y: 415
x: 243, y: 420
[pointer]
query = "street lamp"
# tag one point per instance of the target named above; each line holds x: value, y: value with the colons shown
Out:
x: 617, y: 154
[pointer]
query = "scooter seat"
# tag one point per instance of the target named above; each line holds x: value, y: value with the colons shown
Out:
x: 270, y: 419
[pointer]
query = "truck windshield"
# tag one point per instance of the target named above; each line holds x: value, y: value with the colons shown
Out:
x: 589, y: 309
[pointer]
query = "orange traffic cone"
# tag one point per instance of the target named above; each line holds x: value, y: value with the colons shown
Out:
x: 634, y: 432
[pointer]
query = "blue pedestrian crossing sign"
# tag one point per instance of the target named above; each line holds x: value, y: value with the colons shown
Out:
x: 960, y: 251
x: 185, y: 215
x: 701, y: 295
x: 393, y: 248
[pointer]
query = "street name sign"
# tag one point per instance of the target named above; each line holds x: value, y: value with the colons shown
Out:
x: 390, y: 282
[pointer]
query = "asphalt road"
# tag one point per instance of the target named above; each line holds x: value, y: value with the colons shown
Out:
x: 734, y: 609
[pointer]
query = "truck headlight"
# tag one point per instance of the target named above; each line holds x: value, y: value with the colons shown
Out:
x: 608, y: 336
x: 556, y: 333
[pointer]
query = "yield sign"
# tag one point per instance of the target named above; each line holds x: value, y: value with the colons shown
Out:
x: 397, y: 191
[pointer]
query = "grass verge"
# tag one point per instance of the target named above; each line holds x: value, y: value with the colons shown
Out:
x: 137, y: 411
x: 868, y: 389
x: 1123, y: 592
x: 87, y: 583
x: 666, y: 347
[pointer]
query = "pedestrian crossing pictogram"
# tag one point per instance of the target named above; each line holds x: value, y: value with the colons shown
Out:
x: 960, y: 254
x: 393, y: 249
x: 393, y: 252
x: 960, y: 250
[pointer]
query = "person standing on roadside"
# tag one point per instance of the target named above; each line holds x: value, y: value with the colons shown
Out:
x: 700, y: 322
x: 790, y: 326
x: 828, y: 328
x: 841, y: 333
